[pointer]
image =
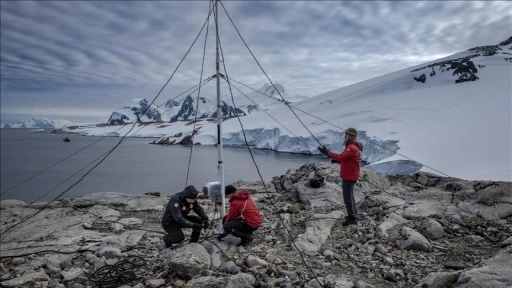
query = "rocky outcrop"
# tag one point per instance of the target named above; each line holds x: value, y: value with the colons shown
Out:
x: 134, y: 111
x: 413, y: 231
x: 463, y: 68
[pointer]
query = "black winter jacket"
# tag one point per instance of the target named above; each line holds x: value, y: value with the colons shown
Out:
x: 178, y: 207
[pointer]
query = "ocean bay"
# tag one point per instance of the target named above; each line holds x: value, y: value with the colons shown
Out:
x: 41, y: 166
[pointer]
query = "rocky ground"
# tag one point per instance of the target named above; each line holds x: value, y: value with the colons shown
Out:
x: 413, y: 231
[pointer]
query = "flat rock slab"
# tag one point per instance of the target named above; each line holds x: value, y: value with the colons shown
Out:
x: 121, y: 201
x: 317, y: 231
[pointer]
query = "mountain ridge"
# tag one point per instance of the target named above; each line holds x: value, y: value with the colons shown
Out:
x: 188, y: 109
x: 41, y: 123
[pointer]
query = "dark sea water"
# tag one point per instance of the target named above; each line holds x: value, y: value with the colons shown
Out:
x: 28, y: 163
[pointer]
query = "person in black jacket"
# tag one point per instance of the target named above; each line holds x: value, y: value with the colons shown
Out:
x: 176, y: 217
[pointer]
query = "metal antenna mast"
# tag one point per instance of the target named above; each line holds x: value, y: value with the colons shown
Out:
x: 220, y: 163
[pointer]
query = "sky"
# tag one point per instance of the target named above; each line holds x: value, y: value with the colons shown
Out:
x: 81, y: 60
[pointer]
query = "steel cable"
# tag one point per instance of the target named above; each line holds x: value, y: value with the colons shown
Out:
x: 198, y: 94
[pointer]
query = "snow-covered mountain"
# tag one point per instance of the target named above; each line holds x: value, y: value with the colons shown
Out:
x: 451, y: 117
x: 258, y: 100
x: 133, y: 111
x: 41, y: 123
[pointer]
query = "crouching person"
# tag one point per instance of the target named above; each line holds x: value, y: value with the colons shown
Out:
x: 243, y: 217
x: 176, y: 216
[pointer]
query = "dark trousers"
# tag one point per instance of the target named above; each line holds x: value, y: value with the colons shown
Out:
x: 348, y: 197
x: 174, y: 233
x: 239, y: 228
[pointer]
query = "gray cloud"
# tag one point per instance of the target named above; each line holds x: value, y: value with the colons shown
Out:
x: 78, y: 54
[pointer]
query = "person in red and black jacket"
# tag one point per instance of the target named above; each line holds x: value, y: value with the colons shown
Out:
x: 349, y: 171
x: 243, y: 217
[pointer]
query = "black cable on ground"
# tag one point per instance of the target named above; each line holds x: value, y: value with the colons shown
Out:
x: 125, y: 271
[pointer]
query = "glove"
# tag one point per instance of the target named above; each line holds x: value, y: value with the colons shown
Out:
x: 323, y: 150
x: 220, y: 237
x: 205, y: 224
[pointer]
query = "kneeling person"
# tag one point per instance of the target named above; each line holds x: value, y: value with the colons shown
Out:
x: 243, y: 217
x: 176, y: 217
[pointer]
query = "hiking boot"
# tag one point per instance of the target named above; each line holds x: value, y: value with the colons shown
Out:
x: 246, y: 240
x: 350, y: 220
x: 167, y: 241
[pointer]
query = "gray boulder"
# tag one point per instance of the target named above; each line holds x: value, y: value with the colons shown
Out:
x: 431, y: 229
x: 188, y: 261
x: 413, y: 241
x: 328, y: 195
x: 491, y: 273
x: 388, y: 224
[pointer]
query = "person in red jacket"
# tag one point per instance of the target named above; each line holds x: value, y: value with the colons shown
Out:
x: 349, y: 171
x: 243, y: 217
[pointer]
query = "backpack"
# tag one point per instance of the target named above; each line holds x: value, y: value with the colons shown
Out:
x: 316, y: 182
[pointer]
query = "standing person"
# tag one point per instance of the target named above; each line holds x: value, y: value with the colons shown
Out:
x: 349, y: 171
x: 243, y: 217
x: 176, y: 217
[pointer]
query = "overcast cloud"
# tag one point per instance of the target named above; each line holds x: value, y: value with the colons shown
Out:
x: 80, y: 60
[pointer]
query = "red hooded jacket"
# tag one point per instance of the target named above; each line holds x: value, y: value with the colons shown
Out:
x: 242, y: 206
x: 349, y: 160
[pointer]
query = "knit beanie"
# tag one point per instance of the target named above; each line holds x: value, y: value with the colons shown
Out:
x: 230, y: 189
x: 351, y: 134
